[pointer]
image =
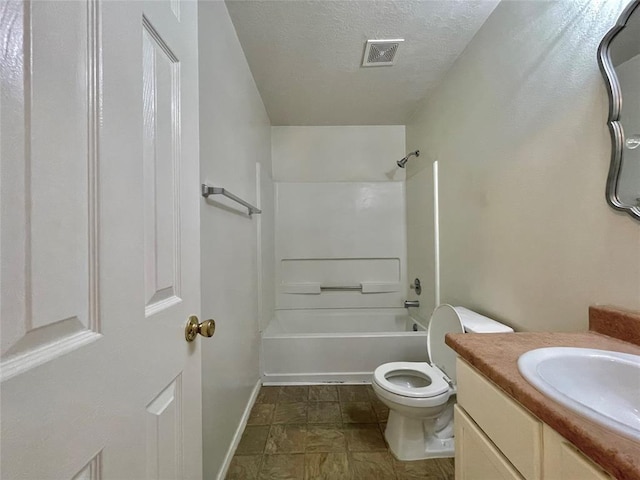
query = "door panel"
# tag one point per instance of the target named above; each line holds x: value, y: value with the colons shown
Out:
x: 161, y: 159
x: 49, y: 307
x: 92, y: 470
x: 164, y: 433
x: 99, y: 246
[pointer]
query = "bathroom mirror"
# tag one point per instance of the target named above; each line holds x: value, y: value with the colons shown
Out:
x: 619, y: 60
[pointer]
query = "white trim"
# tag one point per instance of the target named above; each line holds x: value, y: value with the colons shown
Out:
x: 436, y: 233
x: 259, y: 244
x: 239, y: 431
x: 347, y: 378
x: 259, y: 267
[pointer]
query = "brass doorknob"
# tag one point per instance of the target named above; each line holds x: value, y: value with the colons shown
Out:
x: 194, y: 327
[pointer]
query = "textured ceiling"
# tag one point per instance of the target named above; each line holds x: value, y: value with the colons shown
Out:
x: 305, y: 55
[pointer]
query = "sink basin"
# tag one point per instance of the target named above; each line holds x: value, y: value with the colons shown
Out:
x: 600, y: 385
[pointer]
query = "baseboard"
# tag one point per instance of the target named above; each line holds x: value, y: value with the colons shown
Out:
x: 238, y: 435
x: 349, y: 378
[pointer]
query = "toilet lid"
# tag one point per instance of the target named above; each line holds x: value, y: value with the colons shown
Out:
x: 444, y: 320
x: 410, y: 379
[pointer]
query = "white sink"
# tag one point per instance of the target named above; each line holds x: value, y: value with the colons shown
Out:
x: 601, y: 385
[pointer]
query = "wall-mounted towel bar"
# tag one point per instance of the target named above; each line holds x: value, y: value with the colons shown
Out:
x: 207, y: 190
x: 315, y: 288
x: 340, y: 287
x: 365, y: 287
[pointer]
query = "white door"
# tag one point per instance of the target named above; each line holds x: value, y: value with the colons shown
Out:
x: 99, y: 242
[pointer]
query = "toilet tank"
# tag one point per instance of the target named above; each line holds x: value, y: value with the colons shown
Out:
x: 475, y: 323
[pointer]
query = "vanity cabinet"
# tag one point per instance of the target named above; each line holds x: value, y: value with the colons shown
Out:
x: 496, y: 438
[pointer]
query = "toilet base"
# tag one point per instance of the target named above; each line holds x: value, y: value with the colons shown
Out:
x: 414, y: 438
x: 440, y: 448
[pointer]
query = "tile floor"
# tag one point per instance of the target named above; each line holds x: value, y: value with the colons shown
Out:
x: 323, y: 432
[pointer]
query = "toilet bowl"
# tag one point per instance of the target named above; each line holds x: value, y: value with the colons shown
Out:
x: 421, y: 395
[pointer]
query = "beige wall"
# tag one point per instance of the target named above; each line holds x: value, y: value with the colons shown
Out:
x: 518, y: 129
x: 235, y: 133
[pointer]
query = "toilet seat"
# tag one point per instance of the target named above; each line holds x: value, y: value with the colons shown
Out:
x: 384, y: 374
x: 421, y: 395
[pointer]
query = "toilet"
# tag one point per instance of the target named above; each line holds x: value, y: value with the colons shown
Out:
x: 421, y: 395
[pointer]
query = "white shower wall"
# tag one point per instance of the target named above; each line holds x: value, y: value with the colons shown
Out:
x: 340, y: 216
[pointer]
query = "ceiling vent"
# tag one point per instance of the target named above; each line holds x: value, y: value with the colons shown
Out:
x: 379, y: 53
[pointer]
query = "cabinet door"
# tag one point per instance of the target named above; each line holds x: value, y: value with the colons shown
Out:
x: 562, y: 461
x: 511, y: 428
x: 476, y: 457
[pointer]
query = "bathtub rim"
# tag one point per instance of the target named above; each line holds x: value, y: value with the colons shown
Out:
x: 415, y: 318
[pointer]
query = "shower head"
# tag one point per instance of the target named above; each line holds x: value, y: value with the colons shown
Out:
x: 401, y: 163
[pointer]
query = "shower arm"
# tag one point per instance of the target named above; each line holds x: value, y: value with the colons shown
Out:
x: 401, y: 163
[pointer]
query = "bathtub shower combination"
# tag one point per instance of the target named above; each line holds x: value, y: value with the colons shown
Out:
x: 338, y: 345
x: 340, y: 276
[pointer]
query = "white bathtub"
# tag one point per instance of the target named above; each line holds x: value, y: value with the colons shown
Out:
x: 320, y: 346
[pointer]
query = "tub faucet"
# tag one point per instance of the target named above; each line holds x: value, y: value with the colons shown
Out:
x: 411, y: 303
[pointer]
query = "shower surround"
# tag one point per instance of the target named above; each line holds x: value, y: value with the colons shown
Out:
x: 340, y: 256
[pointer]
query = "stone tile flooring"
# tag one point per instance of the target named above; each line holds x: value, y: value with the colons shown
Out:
x: 323, y: 432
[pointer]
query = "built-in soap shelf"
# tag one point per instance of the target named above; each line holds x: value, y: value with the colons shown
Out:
x: 316, y: 288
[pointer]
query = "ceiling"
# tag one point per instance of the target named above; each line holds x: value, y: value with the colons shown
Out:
x: 305, y: 55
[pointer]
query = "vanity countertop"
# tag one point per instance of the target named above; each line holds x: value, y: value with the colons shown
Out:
x: 495, y: 355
